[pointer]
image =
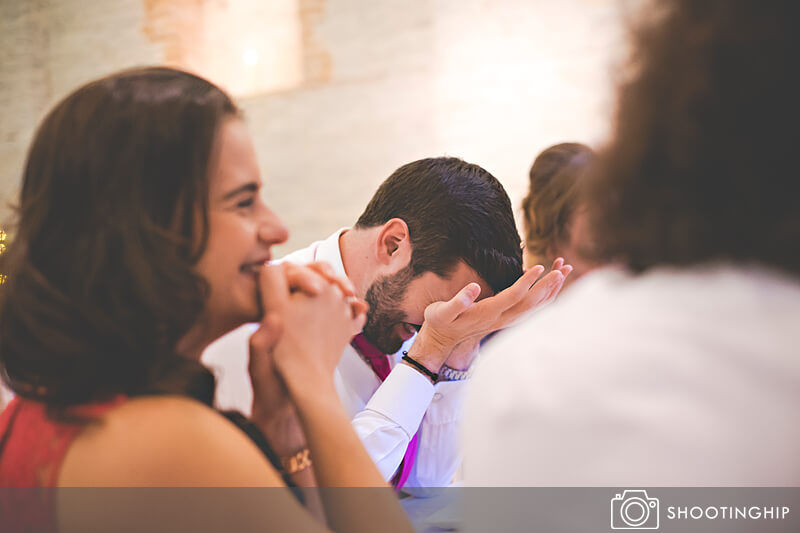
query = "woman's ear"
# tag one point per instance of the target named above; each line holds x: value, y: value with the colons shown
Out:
x: 394, y: 245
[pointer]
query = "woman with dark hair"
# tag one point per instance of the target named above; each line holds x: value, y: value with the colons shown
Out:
x: 553, y: 217
x: 682, y: 367
x: 142, y: 237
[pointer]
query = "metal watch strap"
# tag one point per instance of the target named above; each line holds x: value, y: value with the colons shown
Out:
x: 447, y: 373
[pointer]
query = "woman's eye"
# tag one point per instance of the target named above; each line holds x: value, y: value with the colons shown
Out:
x: 244, y: 204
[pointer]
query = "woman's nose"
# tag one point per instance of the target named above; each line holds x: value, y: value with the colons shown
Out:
x: 272, y: 230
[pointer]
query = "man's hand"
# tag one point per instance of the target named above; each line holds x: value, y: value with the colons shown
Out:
x: 542, y: 292
x: 461, y: 319
x: 464, y: 354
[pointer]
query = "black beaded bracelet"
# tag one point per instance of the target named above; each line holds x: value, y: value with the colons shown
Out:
x: 419, y: 366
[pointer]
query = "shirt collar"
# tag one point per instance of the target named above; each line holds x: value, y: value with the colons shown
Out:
x: 330, y: 252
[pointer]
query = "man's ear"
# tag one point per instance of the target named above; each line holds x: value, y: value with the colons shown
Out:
x: 394, y: 245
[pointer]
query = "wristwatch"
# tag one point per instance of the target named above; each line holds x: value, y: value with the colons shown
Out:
x: 447, y: 373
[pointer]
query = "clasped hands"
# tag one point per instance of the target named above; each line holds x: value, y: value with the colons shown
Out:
x: 309, y: 314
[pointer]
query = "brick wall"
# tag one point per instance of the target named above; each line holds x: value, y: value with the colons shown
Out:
x: 344, y: 91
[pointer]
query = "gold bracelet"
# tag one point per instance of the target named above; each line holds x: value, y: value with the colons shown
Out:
x: 297, y: 462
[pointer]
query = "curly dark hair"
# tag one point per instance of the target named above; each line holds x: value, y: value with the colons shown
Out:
x: 553, y: 196
x: 703, y: 164
x: 112, y: 216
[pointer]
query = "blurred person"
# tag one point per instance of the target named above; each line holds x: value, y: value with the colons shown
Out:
x: 436, y: 229
x: 554, y: 220
x: 141, y: 237
x: 682, y: 367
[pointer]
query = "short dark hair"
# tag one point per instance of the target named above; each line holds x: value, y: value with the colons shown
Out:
x: 112, y: 217
x: 454, y: 211
x: 703, y: 166
x: 553, y: 197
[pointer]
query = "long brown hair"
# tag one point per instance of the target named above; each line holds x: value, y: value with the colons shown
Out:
x: 112, y: 217
x: 553, y: 196
x: 703, y: 164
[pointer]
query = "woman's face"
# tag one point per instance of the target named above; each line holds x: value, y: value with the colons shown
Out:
x: 242, y: 230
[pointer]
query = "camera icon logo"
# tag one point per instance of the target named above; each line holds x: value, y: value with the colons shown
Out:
x: 634, y: 509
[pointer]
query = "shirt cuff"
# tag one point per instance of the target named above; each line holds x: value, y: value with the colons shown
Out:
x: 403, y: 397
x: 447, y: 406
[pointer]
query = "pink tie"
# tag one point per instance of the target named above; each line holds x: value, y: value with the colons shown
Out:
x: 380, y: 365
x: 376, y: 358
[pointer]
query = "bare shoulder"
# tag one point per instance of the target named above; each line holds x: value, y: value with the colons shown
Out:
x: 164, y: 441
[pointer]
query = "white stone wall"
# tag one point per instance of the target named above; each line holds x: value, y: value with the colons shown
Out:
x: 367, y: 85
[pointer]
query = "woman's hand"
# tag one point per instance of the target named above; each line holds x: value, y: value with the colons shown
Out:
x: 310, y: 279
x: 272, y: 409
x: 314, y: 329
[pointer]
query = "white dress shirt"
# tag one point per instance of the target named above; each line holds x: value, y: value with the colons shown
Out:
x: 672, y: 378
x: 385, y: 415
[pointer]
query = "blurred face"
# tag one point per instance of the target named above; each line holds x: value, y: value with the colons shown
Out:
x: 242, y: 231
x: 397, y: 303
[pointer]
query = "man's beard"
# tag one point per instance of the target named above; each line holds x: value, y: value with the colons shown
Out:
x: 385, y: 296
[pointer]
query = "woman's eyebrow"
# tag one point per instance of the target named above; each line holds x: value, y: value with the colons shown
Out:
x: 247, y: 187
